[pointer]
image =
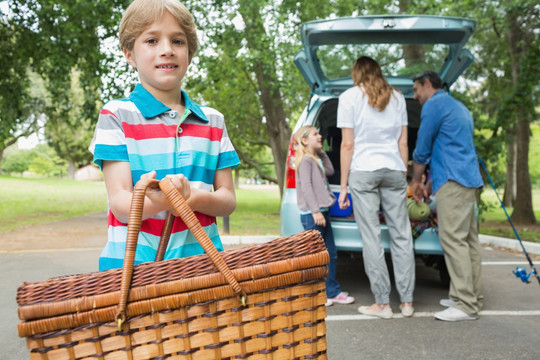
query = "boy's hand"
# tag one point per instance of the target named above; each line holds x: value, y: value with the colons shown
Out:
x: 159, y: 199
x: 182, y: 185
x: 155, y: 195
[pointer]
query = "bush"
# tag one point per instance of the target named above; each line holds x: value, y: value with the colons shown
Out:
x: 41, y: 160
x: 18, y: 162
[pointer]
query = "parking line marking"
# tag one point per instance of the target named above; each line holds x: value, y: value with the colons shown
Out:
x: 50, y: 250
x: 505, y: 263
x: 430, y: 314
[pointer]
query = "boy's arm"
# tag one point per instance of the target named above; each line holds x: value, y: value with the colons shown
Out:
x: 220, y: 202
x: 119, y: 183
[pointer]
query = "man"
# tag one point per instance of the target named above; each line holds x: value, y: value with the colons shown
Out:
x: 445, y: 142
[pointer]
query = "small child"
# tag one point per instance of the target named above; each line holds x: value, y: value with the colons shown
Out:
x: 159, y: 131
x: 314, y: 199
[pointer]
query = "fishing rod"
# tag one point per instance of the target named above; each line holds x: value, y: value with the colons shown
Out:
x: 520, y: 272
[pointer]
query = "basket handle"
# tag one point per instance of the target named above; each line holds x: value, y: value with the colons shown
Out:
x: 189, y: 218
x: 193, y: 224
x: 165, y: 236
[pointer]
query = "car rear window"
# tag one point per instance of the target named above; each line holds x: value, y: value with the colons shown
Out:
x: 396, y: 60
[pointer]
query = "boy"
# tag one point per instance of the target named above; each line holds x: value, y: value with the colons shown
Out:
x: 158, y: 131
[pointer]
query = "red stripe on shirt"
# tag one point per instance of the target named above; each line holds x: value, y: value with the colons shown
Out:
x: 155, y: 226
x: 113, y: 221
x: 107, y: 112
x: 148, y: 131
x: 203, y: 131
x: 152, y: 131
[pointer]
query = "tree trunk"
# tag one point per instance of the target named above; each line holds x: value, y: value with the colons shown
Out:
x: 523, y: 211
x: 278, y: 129
x: 71, y: 170
x: 414, y: 55
x: 510, y: 184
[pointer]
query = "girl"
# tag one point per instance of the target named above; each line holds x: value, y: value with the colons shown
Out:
x: 314, y: 199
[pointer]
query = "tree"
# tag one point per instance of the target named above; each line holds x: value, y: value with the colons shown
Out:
x: 18, y: 110
x: 17, y: 162
x: 56, y: 38
x: 69, y: 130
x: 507, y: 61
x: 45, y: 161
x: 245, y: 69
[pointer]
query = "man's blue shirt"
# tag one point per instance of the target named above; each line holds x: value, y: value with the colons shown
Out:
x: 445, y: 141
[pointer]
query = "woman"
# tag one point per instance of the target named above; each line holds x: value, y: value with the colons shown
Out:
x: 373, y: 120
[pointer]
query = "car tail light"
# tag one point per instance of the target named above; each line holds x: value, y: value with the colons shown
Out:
x: 290, y: 175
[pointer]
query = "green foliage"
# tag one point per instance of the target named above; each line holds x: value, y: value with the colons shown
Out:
x: 42, y: 160
x: 46, y: 162
x: 245, y: 69
x: 60, y: 41
x: 18, y: 162
x: 69, y: 130
x: 534, y: 156
x: 18, y: 109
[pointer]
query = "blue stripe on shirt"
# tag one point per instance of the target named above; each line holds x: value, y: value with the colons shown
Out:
x: 109, y: 152
x: 181, y: 244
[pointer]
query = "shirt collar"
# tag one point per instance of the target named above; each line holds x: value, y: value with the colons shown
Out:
x: 151, y: 107
x: 439, y: 92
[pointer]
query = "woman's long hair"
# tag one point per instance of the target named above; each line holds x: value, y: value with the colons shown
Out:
x: 367, y: 73
x: 301, y: 151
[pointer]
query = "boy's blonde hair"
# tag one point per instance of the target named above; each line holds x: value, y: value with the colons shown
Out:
x: 301, y: 151
x: 140, y: 14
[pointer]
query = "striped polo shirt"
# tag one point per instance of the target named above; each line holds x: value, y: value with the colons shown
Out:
x: 150, y: 136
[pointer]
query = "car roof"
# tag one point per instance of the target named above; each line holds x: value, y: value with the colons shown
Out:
x: 323, y: 40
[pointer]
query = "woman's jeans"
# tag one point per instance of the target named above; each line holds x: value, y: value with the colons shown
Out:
x: 332, y: 286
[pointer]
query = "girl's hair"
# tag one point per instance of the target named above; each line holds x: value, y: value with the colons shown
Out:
x: 367, y: 73
x: 301, y: 151
x: 140, y: 14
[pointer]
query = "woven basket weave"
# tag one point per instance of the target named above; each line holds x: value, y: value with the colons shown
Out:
x: 257, y: 302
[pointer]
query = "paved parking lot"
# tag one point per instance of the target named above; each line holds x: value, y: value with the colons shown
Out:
x: 508, y: 327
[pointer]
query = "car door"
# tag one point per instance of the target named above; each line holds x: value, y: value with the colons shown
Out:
x: 357, y: 36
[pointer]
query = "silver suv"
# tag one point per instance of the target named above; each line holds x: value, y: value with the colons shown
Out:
x: 404, y: 45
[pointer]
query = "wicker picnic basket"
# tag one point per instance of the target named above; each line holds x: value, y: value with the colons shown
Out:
x: 257, y: 302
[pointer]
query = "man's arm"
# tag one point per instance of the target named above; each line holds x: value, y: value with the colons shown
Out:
x: 419, y: 190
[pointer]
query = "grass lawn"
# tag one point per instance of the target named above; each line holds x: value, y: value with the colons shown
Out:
x: 28, y: 201
x: 25, y: 202
x: 494, y: 221
x: 257, y: 212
